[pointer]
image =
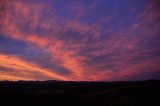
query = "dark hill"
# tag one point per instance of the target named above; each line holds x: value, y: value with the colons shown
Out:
x: 68, y: 93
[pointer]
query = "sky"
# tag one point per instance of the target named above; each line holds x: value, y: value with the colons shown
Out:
x: 79, y: 40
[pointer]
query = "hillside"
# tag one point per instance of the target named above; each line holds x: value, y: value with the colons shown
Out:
x: 62, y: 93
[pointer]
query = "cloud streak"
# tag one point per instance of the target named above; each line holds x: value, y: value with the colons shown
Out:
x: 21, y: 66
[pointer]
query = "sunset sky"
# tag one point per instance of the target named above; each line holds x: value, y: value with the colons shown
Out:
x: 79, y: 40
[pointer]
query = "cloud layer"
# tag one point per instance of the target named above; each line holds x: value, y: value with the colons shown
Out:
x: 79, y: 40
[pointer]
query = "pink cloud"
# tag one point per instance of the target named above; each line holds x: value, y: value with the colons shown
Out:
x: 98, y: 54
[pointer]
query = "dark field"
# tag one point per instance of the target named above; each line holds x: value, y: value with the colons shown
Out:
x: 60, y: 93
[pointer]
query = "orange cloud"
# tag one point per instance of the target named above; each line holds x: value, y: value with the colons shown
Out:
x: 16, y: 63
x: 5, y: 76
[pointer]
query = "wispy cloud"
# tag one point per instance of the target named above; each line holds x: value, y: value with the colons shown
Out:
x: 26, y: 68
x: 91, y: 42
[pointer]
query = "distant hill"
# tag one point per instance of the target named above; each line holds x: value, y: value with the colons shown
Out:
x: 69, y: 93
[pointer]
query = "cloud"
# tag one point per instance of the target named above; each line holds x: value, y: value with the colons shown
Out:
x: 118, y: 43
x: 15, y: 63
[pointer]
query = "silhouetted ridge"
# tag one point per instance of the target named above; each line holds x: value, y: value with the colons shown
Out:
x: 62, y: 93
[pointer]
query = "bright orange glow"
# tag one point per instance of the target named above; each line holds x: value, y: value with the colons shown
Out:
x: 18, y: 64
